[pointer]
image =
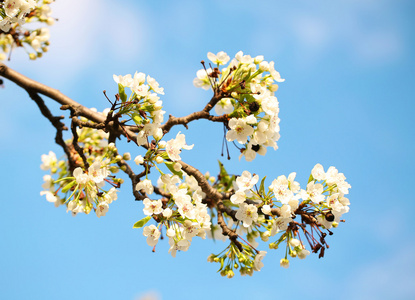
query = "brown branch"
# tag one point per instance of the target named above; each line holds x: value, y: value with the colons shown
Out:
x: 29, y: 84
x: 88, y: 124
x: 57, y: 124
x: 228, y: 232
x: 203, y: 114
x: 133, y: 177
x: 75, y: 144
x: 202, y: 181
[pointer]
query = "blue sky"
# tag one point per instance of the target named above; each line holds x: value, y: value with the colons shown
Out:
x: 347, y: 101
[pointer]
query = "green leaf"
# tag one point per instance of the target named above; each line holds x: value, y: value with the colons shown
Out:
x: 142, y: 222
x: 164, y: 155
x: 223, y: 173
x: 170, y: 166
x: 137, y: 118
x: 262, y: 186
x: 121, y: 92
x: 68, y: 186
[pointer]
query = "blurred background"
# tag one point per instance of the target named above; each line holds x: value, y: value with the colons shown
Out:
x: 347, y: 102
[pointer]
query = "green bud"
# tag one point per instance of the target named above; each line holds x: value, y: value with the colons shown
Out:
x: 32, y: 56
x: 114, y: 169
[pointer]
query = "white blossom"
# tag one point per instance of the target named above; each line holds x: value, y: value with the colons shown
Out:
x: 174, y: 147
x: 247, y: 213
x: 221, y: 58
x: 145, y: 185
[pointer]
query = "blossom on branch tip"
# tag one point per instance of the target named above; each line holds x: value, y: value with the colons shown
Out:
x: 102, y: 209
x: 174, y: 146
x: 240, y: 130
x: 258, y: 264
x: 152, y: 233
x: 247, y: 213
x: 152, y: 207
x: 202, y: 79
x: 221, y: 58
x: 246, y: 181
x: 145, y: 185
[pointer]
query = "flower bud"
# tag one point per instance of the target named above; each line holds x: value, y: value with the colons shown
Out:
x: 265, y: 236
x: 273, y: 88
x: 118, y: 158
x: 32, y: 56
x: 114, y: 169
x: 50, y: 21
x: 264, y: 66
x: 285, y: 263
x: 294, y: 242
x: 159, y: 159
x: 211, y: 258
x: 127, y: 156
x: 162, y: 144
x: 177, y: 167
x: 234, y: 94
x: 139, y: 160
x: 167, y: 213
x: 170, y: 232
x: 111, y: 147
x: 258, y: 59
x: 266, y: 209
x: 158, y: 134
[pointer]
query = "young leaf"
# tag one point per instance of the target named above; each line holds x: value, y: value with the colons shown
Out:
x: 262, y: 187
x: 142, y: 222
x: 121, y: 92
x: 170, y: 166
x: 68, y: 186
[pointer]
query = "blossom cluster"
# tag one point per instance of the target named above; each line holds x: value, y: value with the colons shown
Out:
x: 13, y: 15
x: 143, y: 105
x: 265, y: 213
x: 184, y: 215
x: 249, y: 84
x: 83, y: 189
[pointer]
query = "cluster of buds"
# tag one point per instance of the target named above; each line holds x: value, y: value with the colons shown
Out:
x: 248, y: 85
x: 13, y: 15
x: 232, y: 258
x: 84, y: 188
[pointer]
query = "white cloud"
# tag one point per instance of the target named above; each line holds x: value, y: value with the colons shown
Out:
x: 87, y: 33
x: 366, y: 31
